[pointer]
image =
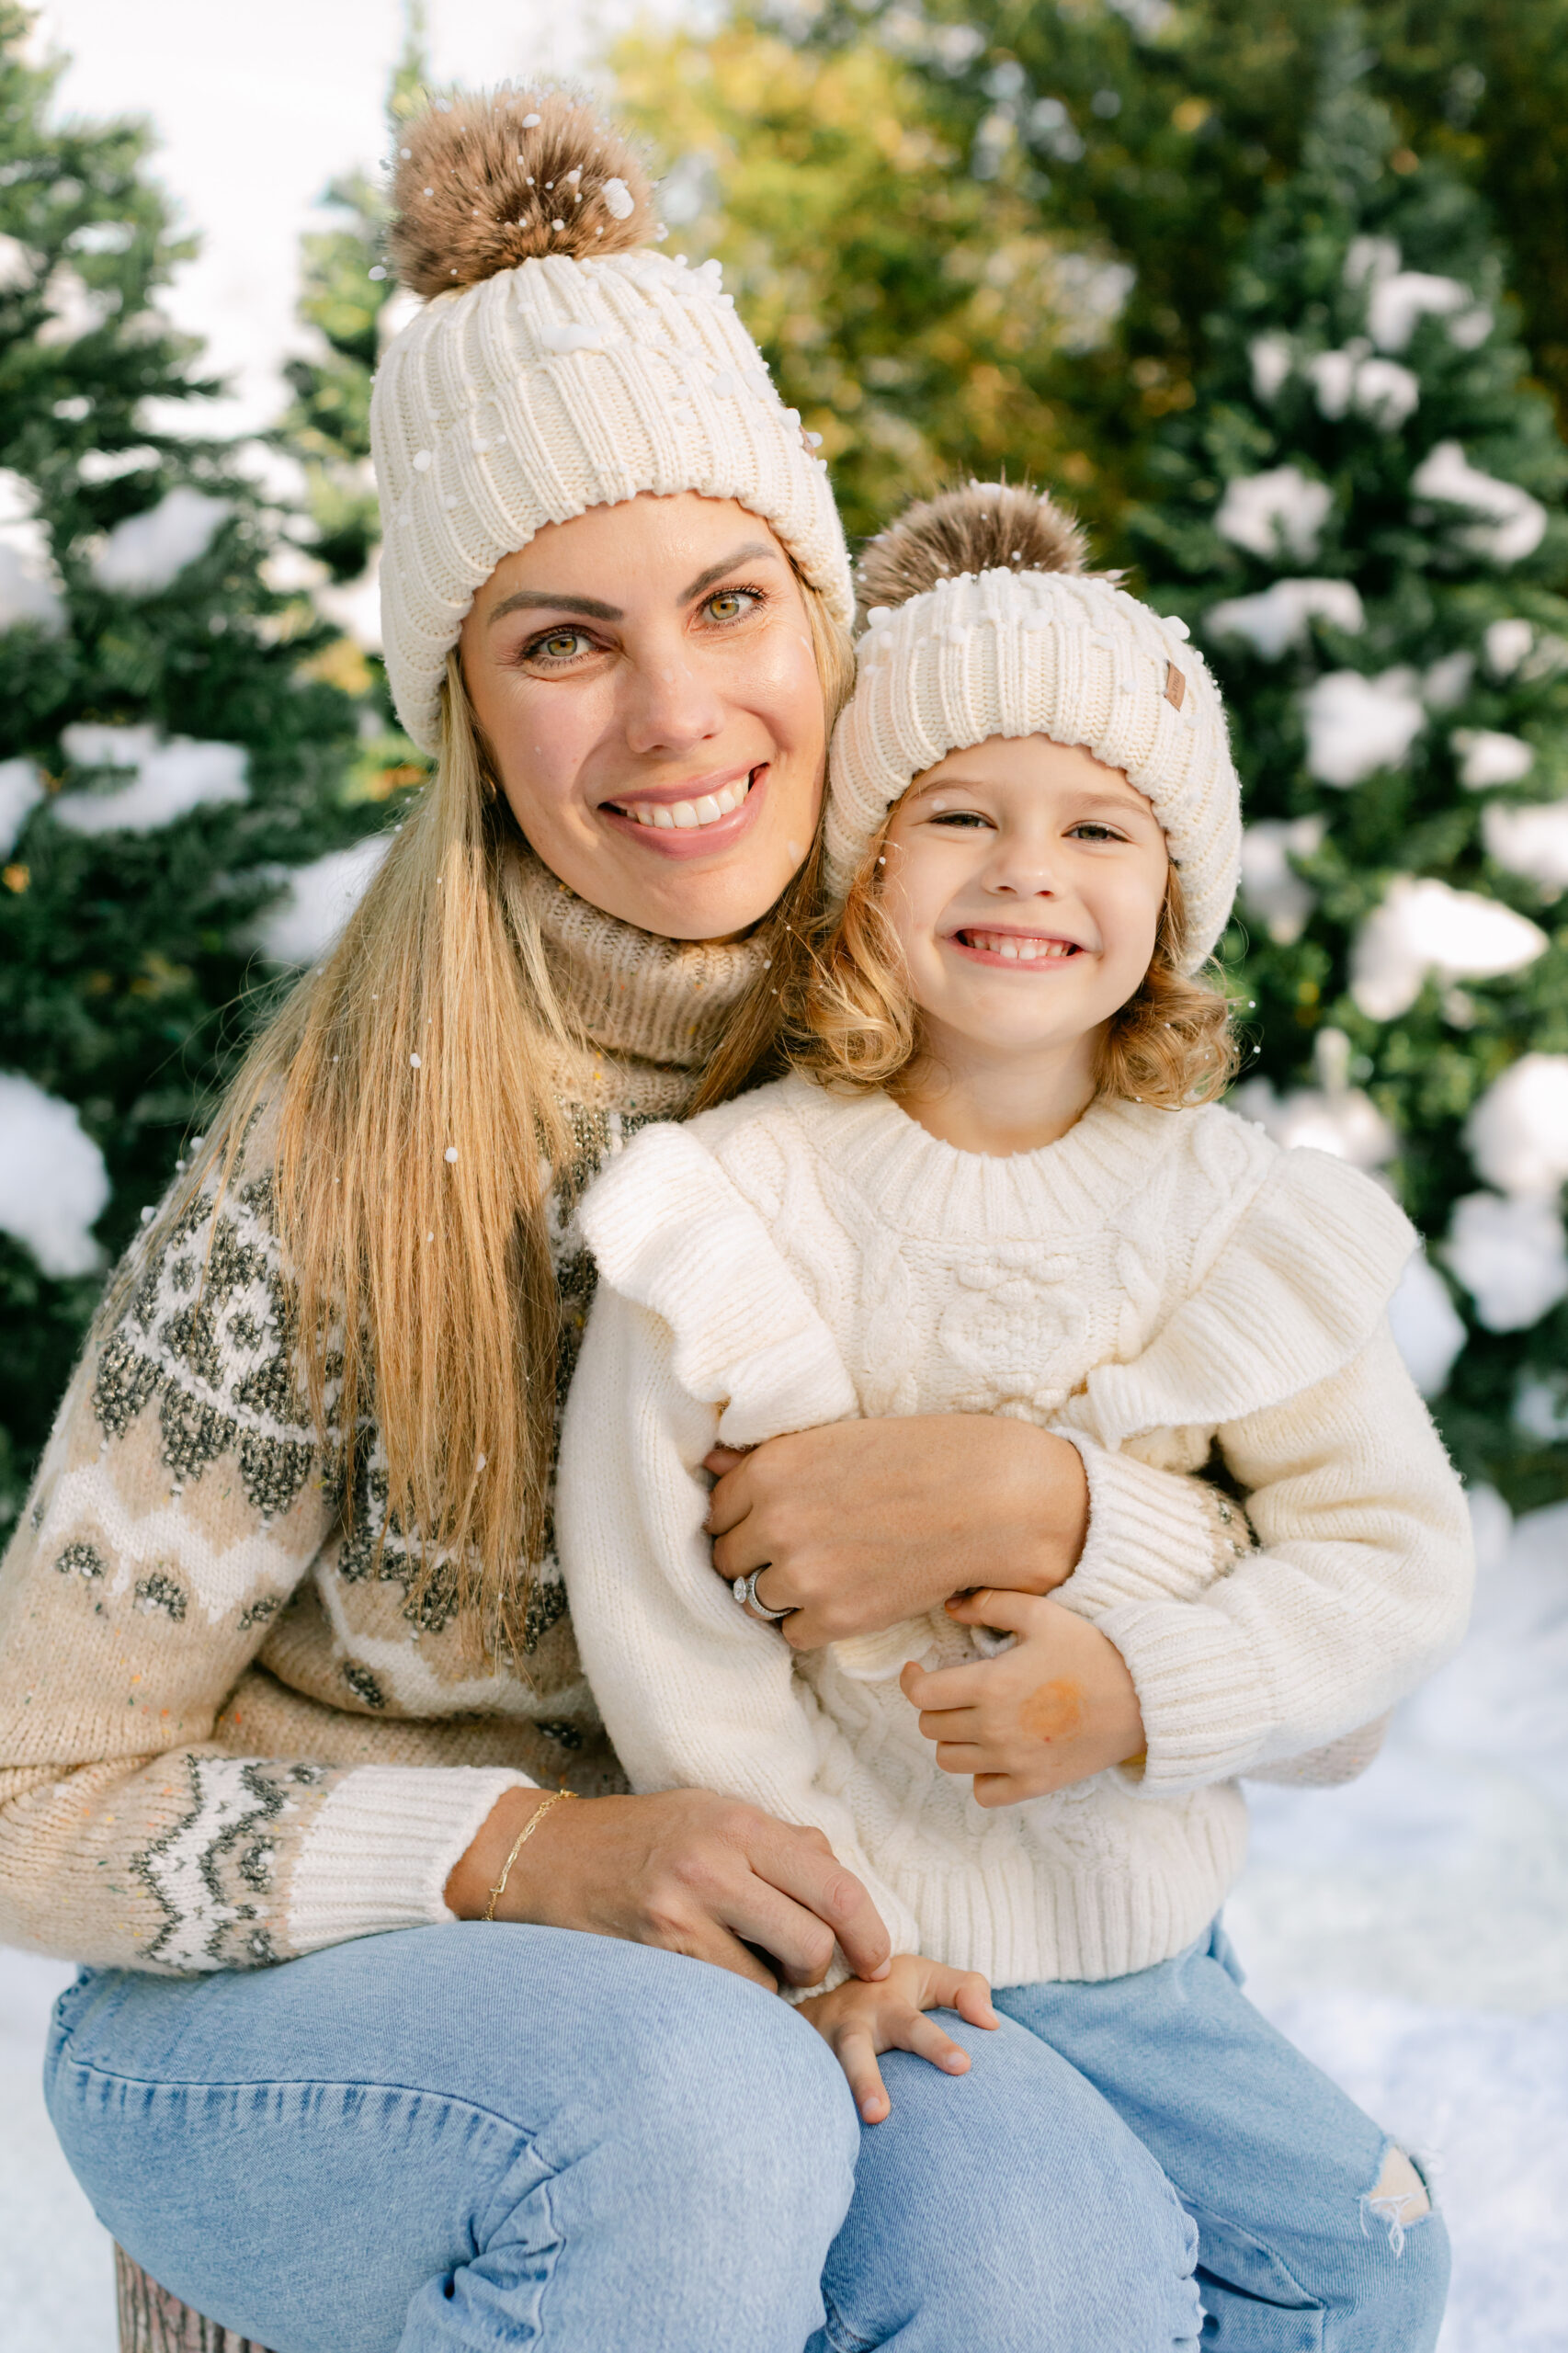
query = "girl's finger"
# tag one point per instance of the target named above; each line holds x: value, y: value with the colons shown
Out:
x: 972, y: 1999
x: 950, y: 1724
x: 995, y: 1789
x: 963, y: 1756
x: 947, y: 1686
x: 1016, y: 1613
x: 913, y: 2030
x: 857, y: 2054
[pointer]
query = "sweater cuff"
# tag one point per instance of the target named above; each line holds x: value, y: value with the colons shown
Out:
x: 381, y: 1847
x: 1152, y: 1535
x: 1199, y: 1699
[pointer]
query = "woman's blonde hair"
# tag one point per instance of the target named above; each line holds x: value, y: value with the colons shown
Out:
x: 849, y: 1020
x: 418, y: 1079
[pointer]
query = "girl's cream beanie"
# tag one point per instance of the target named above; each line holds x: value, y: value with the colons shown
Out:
x: 1007, y: 649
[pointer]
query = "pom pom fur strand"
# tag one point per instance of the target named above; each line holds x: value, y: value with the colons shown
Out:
x: 498, y: 179
x: 979, y: 527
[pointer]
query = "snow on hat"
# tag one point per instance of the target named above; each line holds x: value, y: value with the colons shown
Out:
x: 989, y: 628
x: 557, y: 365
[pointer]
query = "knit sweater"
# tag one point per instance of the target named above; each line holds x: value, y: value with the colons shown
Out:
x: 225, y: 1737
x: 1153, y: 1286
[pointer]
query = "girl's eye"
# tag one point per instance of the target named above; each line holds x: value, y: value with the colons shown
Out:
x: 730, y: 604
x: 967, y: 818
x: 1092, y: 830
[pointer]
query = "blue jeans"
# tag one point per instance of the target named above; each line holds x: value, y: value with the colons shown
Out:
x: 456, y: 2140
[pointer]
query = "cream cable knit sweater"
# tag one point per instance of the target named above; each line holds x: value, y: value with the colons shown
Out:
x: 1153, y: 1285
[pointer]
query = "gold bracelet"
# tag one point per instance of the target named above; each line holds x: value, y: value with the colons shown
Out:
x: 527, y: 1832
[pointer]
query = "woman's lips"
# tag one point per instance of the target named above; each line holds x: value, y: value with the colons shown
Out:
x: 695, y: 824
x: 1037, y: 950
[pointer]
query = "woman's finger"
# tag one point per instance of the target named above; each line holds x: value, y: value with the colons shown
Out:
x: 732, y: 1498
x: 856, y: 2050
x: 791, y: 1874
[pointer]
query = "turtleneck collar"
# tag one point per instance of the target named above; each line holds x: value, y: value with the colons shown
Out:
x: 635, y: 997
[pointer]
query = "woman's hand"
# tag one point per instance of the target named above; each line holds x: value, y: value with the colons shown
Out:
x: 857, y: 2021
x: 683, y: 1869
x: 862, y: 1523
x: 1058, y: 1708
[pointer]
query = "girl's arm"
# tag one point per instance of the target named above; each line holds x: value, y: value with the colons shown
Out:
x: 694, y: 1692
x: 1359, y: 1588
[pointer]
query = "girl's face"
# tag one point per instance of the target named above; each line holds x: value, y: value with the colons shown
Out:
x: 644, y: 676
x: 1025, y: 882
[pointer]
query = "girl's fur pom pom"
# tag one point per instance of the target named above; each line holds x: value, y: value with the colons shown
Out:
x: 482, y: 184
x: 981, y: 527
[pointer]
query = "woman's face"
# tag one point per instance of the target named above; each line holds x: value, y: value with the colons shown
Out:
x: 644, y: 676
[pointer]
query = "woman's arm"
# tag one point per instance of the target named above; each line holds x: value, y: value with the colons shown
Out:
x: 179, y: 1504
x: 694, y: 1692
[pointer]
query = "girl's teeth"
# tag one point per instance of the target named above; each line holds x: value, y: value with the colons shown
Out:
x: 1013, y: 949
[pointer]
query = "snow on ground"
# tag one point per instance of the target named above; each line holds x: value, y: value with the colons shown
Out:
x: 1409, y: 1932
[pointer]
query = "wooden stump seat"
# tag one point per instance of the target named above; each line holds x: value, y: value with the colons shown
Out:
x: 152, y: 2321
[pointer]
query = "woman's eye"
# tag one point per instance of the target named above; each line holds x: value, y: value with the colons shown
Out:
x: 730, y: 604
x: 559, y: 646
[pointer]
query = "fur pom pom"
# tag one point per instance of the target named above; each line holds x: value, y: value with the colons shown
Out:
x: 482, y: 184
x: 982, y: 527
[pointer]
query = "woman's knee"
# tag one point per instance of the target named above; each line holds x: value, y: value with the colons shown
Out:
x: 739, y: 2097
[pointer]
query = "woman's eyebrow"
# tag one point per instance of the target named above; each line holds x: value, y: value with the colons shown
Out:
x: 534, y: 599
x: 752, y: 552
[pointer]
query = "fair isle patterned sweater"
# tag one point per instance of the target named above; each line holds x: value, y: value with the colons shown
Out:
x: 226, y: 1738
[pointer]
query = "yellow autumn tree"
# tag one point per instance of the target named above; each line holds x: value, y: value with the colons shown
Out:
x: 912, y: 312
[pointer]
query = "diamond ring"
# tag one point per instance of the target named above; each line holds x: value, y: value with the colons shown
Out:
x: 746, y: 1593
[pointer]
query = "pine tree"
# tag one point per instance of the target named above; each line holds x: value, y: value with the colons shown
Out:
x: 1361, y: 519
x: 170, y: 747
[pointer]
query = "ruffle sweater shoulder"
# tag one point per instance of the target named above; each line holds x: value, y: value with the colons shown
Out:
x: 1156, y: 1287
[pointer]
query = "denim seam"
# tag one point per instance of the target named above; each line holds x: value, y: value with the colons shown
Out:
x: 1196, y: 2206
x: 293, y: 2083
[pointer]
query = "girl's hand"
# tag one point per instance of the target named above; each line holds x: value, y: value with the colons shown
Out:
x: 857, y: 2020
x: 861, y: 1524
x: 1058, y: 1708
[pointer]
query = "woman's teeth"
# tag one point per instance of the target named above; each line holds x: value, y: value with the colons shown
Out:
x: 1016, y: 947
x: 687, y: 813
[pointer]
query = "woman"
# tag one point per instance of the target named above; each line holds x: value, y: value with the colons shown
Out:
x: 276, y: 1687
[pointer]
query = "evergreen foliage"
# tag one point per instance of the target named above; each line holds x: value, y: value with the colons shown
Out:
x: 1387, y: 633
x: 142, y: 651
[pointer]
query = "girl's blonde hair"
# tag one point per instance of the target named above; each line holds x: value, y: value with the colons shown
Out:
x: 849, y: 1018
x: 419, y: 1082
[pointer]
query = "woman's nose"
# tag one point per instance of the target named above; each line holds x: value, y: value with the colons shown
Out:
x: 670, y: 706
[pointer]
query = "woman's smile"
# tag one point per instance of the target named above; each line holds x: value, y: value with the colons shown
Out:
x: 696, y: 818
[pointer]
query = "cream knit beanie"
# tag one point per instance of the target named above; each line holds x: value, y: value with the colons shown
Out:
x: 1003, y: 650
x: 557, y: 365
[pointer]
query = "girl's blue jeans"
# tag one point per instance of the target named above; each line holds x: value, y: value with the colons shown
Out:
x: 465, y: 2137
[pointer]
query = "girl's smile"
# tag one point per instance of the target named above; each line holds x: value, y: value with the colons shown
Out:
x: 1024, y: 883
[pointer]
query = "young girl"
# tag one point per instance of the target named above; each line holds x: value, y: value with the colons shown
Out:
x: 997, y: 1181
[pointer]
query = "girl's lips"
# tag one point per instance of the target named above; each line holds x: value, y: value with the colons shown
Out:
x: 1035, y: 952
x: 692, y: 832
